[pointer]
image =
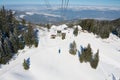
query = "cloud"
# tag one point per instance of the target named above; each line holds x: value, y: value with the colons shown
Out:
x: 101, y: 8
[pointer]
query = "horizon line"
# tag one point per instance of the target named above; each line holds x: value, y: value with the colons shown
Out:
x: 60, y: 4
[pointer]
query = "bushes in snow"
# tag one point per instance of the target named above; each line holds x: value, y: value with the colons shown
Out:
x: 87, y: 56
x: 26, y: 64
x: 75, y: 32
x: 63, y: 36
x: 94, y: 61
x: 48, y: 27
x: 73, y: 48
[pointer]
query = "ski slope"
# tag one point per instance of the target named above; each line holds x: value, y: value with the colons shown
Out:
x: 47, y: 64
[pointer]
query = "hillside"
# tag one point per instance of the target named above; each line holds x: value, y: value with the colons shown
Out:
x: 47, y: 63
x: 14, y: 35
x: 42, y: 14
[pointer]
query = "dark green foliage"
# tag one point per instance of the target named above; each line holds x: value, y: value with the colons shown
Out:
x: 63, y: 36
x: 95, y: 60
x: 75, y: 32
x: 59, y: 31
x: 7, y: 49
x: 36, y: 43
x: 73, y: 48
x: 30, y: 36
x: 23, y: 22
x: 70, y: 25
x: 88, y: 53
x: 21, y: 43
x: 48, y: 26
x: 87, y: 24
x: 87, y: 56
x: 101, y: 28
x: 116, y: 31
x: 12, y: 36
x: 14, y: 42
x: 25, y: 65
x: 4, y: 59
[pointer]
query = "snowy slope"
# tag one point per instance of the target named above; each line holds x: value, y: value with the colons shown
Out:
x: 48, y: 64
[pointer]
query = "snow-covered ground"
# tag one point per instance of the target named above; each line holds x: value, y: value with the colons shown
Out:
x: 29, y: 13
x: 22, y: 16
x: 47, y: 64
x: 42, y: 13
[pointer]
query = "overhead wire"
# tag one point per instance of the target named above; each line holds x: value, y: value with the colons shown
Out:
x: 64, y: 7
x: 47, y: 3
x: 67, y: 4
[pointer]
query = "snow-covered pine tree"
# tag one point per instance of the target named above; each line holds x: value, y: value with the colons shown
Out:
x: 75, y: 32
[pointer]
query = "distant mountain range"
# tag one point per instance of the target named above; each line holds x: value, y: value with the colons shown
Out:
x: 43, y: 14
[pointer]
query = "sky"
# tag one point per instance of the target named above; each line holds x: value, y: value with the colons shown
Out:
x: 76, y: 2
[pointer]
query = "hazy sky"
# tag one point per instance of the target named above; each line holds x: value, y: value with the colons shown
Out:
x: 80, y: 2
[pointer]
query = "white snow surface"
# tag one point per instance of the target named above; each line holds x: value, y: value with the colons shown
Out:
x: 30, y: 13
x: 61, y: 27
x: 22, y: 16
x: 47, y: 64
x: 42, y: 13
x: 47, y: 14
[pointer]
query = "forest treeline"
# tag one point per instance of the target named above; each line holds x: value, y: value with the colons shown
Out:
x: 102, y: 28
x: 14, y: 35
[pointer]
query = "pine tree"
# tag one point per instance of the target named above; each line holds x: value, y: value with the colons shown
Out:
x: 88, y: 53
x: 23, y: 22
x: 63, y: 36
x: 7, y: 46
x: 14, y: 42
x: 87, y: 56
x: 73, y: 48
x: 48, y: 26
x: 95, y: 60
x: 75, y: 32
x: 25, y: 65
x: 1, y: 52
x: 12, y: 37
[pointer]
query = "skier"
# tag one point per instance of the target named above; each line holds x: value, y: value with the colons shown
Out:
x: 59, y: 51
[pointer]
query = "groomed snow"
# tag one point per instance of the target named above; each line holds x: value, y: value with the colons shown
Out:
x: 47, y: 64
